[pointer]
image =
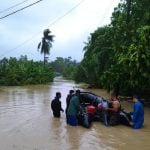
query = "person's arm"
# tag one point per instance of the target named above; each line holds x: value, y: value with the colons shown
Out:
x: 112, y: 109
x: 131, y: 123
x: 115, y: 108
x: 131, y: 113
x: 52, y: 105
x: 135, y: 112
x: 67, y: 100
x: 61, y: 109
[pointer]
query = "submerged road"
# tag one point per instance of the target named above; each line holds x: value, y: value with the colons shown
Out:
x: 26, y: 123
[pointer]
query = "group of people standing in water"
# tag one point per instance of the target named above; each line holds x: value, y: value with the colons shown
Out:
x: 115, y: 114
x: 72, y: 106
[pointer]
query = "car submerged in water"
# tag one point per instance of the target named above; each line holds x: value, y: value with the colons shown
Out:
x: 89, y: 109
x: 89, y: 98
x: 93, y: 107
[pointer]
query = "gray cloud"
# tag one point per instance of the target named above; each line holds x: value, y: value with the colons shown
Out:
x: 21, y: 32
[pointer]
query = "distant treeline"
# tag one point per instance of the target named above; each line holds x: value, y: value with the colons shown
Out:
x: 22, y: 71
x: 65, y: 67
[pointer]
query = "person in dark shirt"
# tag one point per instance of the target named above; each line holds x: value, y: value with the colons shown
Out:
x: 56, y: 105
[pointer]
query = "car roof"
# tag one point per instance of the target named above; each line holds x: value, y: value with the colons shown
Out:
x: 84, y: 92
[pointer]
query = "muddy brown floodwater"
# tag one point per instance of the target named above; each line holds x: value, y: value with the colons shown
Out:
x: 26, y: 123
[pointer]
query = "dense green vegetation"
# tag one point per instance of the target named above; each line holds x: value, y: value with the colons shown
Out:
x: 23, y: 71
x: 117, y: 56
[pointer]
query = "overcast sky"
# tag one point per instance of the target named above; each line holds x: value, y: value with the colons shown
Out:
x: 71, y: 21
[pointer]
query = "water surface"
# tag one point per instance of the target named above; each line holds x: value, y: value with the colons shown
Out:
x: 26, y: 123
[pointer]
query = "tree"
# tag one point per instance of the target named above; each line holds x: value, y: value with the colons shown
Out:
x: 22, y: 71
x: 65, y: 67
x: 117, y: 56
x: 46, y: 44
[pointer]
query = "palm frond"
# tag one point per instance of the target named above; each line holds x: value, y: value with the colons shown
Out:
x: 39, y: 45
x: 46, y: 43
x: 50, y: 38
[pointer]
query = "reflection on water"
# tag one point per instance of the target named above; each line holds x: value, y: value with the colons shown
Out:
x: 26, y: 123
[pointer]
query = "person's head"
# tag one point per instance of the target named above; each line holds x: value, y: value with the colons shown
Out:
x: 113, y: 97
x: 71, y: 92
x: 58, y: 94
x: 77, y: 92
x: 135, y: 98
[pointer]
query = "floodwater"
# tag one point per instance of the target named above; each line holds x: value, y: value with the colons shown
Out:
x: 26, y: 123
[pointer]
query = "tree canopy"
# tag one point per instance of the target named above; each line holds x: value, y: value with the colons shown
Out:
x: 65, y: 67
x: 22, y: 71
x: 117, y: 56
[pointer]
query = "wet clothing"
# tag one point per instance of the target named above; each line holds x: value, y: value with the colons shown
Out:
x: 74, y: 106
x: 125, y: 118
x: 72, y: 120
x: 73, y: 110
x: 56, y: 107
x: 69, y: 96
x: 138, y: 115
x: 114, y: 117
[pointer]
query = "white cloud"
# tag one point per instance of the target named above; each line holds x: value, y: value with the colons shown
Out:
x: 70, y: 31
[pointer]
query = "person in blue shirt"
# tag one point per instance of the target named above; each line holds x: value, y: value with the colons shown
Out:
x: 137, y: 114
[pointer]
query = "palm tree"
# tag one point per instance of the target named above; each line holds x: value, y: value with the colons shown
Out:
x: 46, y: 44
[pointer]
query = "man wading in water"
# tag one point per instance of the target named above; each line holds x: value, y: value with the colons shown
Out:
x: 56, y: 105
x: 137, y: 114
x: 114, y: 111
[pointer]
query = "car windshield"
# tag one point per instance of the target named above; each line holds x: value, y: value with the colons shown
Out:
x: 88, y: 98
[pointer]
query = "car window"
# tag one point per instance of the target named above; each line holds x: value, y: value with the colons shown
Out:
x: 88, y: 98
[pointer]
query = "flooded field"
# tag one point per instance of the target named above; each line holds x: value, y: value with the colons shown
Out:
x: 26, y: 123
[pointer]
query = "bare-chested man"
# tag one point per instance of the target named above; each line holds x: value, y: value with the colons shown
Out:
x: 116, y: 106
x: 114, y: 111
